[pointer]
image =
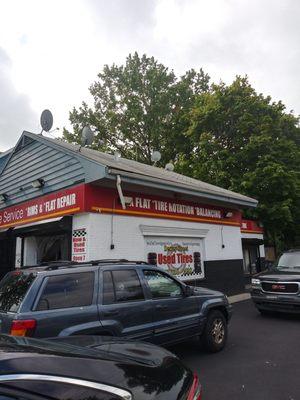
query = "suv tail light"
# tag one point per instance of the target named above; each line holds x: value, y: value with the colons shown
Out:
x: 23, y: 327
x: 195, y: 392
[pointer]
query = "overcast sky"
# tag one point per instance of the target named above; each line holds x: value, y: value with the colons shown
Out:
x: 52, y: 50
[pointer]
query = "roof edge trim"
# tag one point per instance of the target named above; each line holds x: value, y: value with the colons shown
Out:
x: 126, y: 177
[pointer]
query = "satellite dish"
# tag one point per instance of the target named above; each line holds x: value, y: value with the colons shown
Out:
x: 117, y: 156
x: 87, y: 136
x: 155, y: 156
x: 169, y: 167
x: 46, y: 120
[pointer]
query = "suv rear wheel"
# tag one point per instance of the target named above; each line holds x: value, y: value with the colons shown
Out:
x: 215, y: 332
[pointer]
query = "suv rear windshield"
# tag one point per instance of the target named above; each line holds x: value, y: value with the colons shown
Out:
x: 13, y: 288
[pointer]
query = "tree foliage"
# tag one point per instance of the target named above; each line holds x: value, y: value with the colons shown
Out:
x: 228, y: 135
x: 244, y: 142
x: 139, y: 107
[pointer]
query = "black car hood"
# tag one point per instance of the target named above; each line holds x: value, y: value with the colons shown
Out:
x: 166, y: 377
x: 139, y: 352
x: 277, y: 276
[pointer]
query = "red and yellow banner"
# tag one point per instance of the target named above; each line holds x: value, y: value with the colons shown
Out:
x: 90, y: 198
x: 251, y: 226
x: 68, y: 201
x: 106, y: 200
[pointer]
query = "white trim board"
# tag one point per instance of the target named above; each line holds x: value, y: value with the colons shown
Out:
x: 150, y: 230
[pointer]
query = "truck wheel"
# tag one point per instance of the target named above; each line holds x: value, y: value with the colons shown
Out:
x: 214, y: 336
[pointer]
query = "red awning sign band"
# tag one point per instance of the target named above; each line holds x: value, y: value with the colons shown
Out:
x: 89, y: 198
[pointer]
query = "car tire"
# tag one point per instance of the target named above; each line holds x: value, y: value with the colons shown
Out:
x: 214, y: 336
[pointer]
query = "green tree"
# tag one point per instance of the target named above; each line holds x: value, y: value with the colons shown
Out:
x: 244, y: 142
x: 139, y: 107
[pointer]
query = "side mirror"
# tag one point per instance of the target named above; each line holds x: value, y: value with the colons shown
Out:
x: 189, y: 291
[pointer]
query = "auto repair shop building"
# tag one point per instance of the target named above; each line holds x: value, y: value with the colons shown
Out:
x: 60, y: 201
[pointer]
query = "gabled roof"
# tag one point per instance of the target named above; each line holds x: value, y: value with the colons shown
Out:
x: 4, y: 157
x: 143, y: 174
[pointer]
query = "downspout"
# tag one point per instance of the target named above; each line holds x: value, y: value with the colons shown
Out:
x: 121, y: 196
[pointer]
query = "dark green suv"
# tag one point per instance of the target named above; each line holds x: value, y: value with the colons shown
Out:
x: 132, y: 300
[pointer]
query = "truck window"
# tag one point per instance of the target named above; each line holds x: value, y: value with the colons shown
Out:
x: 13, y: 288
x: 161, y: 285
x: 121, y: 285
x: 69, y: 290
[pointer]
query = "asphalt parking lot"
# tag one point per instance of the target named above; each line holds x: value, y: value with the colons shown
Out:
x: 261, y: 360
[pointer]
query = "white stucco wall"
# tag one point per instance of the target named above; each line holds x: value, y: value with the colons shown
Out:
x: 129, y: 241
x: 262, y: 250
x: 30, y: 251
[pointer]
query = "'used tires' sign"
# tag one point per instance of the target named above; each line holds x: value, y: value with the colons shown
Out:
x: 182, y: 257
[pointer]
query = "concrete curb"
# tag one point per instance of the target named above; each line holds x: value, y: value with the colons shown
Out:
x: 239, y: 297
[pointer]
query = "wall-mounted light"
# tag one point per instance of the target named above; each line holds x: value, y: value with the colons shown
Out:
x: 3, y: 197
x: 38, y: 183
x: 229, y: 214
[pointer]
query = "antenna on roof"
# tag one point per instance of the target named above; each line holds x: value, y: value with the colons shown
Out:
x: 117, y: 156
x: 46, y: 120
x: 169, y: 167
x: 155, y: 156
x: 87, y: 137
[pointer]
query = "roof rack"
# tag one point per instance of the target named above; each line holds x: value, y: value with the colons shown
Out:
x: 114, y: 261
x: 53, y: 265
x: 106, y: 260
x: 58, y: 264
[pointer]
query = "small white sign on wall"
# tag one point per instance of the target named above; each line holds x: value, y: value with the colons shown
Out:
x: 182, y: 257
x: 79, y: 245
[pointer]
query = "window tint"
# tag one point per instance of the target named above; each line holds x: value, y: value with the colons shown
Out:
x: 121, y: 285
x: 13, y: 288
x: 108, y: 288
x: 70, y: 290
x: 162, y: 285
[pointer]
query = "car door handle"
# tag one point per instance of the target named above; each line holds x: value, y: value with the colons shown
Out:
x: 161, y: 307
x: 111, y: 313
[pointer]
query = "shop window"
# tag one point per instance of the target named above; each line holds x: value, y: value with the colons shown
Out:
x: 162, y: 286
x: 69, y: 290
x: 251, y: 259
x: 43, y: 249
x: 52, y: 248
x: 121, y: 286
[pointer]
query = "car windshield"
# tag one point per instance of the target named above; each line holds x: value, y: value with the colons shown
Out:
x: 289, y: 261
x: 13, y: 288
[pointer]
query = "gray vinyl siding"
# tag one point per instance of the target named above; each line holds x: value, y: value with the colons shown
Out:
x: 37, y: 160
x: 3, y: 159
